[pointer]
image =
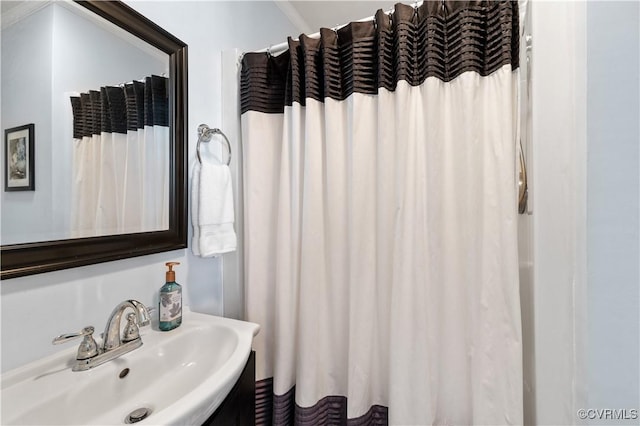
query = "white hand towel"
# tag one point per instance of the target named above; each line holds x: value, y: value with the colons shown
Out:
x: 215, y: 210
x: 195, y: 198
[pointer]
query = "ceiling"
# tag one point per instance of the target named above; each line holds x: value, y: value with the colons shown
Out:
x: 310, y: 16
x: 307, y: 15
x: 12, y: 11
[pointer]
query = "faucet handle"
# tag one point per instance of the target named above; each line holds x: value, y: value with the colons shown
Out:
x: 144, y: 315
x: 131, y: 330
x: 64, y: 338
x: 88, y: 347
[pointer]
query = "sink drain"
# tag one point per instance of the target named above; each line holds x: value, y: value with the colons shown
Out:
x: 137, y: 415
x: 123, y: 373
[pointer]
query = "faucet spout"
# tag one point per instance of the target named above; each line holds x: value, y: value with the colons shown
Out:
x: 112, y: 331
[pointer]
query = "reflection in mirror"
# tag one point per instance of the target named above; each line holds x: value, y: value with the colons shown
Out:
x: 119, y: 171
x: 92, y: 179
x: 110, y: 149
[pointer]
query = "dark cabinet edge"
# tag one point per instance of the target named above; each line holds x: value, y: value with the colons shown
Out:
x: 239, y: 407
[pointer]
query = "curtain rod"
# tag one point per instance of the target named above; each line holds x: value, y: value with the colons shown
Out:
x: 281, y: 47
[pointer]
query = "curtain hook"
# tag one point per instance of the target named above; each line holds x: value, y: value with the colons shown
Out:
x: 269, y: 51
x: 444, y: 6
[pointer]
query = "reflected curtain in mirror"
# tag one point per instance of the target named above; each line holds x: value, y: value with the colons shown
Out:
x: 121, y: 159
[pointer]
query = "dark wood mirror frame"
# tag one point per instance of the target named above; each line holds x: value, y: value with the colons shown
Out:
x: 33, y: 258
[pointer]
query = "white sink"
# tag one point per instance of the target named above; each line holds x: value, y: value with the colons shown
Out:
x: 181, y: 376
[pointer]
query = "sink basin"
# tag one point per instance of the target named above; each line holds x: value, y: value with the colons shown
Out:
x: 180, y: 377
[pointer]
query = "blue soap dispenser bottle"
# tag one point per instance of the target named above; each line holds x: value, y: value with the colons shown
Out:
x: 170, y: 304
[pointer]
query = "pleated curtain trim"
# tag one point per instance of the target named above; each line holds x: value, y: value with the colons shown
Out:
x: 380, y: 247
x: 361, y: 57
x: 121, y: 108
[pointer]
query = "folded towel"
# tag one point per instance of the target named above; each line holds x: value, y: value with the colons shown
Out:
x: 215, y: 210
x: 195, y: 198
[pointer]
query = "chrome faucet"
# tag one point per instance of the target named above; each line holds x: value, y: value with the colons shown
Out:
x: 91, y: 355
x: 112, y: 330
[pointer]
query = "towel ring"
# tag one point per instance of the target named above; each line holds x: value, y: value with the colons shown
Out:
x: 204, y: 135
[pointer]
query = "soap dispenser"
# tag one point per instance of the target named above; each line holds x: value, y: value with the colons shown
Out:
x: 170, y: 304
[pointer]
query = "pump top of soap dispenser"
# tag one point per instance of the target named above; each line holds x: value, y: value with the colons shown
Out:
x: 171, y: 275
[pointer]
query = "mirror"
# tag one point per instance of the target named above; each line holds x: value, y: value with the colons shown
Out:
x: 28, y: 246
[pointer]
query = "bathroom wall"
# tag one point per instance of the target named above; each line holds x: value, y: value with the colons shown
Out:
x: 39, y: 307
x: 585, y: 216
x: 613, y: 208
x: 26, y: 84
x: 559, y: 212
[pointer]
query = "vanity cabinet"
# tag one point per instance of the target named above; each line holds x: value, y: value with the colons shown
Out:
x: 239, y: 407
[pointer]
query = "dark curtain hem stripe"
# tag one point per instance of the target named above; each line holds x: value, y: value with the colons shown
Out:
x: 284, y: 408
x: 409, y: 44
x: 118, y: 109
x: 264, y: 402
x: 331, y: 410
x: 377, y: 415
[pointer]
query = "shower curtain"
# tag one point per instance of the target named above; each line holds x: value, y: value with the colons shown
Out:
x: 120, y: 176
x: 380, y: 220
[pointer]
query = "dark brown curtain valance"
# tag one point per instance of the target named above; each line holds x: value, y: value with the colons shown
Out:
x: 118, y: 109
x: 409, y: 44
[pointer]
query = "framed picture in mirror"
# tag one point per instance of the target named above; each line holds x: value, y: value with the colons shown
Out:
x: 19, y: 158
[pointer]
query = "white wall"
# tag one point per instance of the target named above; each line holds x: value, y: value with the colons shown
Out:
x: 36, y: 308
x: 586, y: 234
x: 26, y: 98
x: 559, y: 210
x: 613, y: 208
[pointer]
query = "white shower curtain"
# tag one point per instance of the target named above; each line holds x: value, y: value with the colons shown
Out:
x: 380, y: 221
x: 120, y: 180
